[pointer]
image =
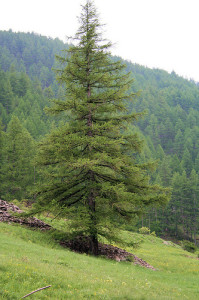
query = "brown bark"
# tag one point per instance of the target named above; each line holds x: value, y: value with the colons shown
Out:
x: 93, y: 225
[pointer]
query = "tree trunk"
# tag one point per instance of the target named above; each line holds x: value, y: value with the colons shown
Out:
x: 94, y: 245
x: 93, y: 225
x: 194, y: 220
x: 91, y: 198
x: 176, y: 223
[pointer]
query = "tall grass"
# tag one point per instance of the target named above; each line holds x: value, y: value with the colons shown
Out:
x: 31, y: 259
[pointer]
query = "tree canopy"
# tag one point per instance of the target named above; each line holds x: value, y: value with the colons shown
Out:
x: 90, y: 162
x: 170, y: 128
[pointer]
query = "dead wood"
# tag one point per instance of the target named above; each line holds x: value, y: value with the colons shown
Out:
x: 36, y: 291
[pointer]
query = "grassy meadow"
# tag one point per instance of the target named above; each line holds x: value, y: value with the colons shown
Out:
x: 31, y: 259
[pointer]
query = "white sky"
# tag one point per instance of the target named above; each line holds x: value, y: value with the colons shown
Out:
x: 155, y: 33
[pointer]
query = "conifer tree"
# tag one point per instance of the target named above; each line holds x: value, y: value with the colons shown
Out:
x: 194, y: 205
x: 6, y: 95
x: 89, y: 163
x: 17, y: 168
x: 1, y: 155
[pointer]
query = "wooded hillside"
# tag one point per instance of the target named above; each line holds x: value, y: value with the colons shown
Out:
x: 170, y: 127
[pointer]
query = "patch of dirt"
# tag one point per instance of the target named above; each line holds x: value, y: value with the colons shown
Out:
x: 6, y: 215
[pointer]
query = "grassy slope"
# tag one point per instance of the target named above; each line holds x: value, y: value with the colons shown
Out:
x: 30, y: 260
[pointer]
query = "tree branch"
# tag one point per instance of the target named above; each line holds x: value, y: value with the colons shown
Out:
x: 36, y: 291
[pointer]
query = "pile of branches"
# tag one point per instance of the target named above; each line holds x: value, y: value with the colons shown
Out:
x: 8, y: 213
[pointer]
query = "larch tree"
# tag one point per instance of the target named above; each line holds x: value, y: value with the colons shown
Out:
x: 1, y: 155
x: 17, y: 165
x: 90, y: 170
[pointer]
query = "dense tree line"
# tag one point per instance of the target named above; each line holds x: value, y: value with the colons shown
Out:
x: 170, y: 127
x: 23, y: 97
x: 171, y: 130
x: 30, y: 53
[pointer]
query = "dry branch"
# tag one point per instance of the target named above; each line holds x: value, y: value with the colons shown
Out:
x: 36, y: 291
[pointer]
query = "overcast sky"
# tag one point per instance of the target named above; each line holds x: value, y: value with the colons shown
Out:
x: 155, y: 33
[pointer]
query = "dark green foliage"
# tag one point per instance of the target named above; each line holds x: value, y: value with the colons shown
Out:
x: 172, y: 123
x: 1, y: 153
x: 19, y: 83
x: 6, y: 95
x: 31, y: 53
x: 24, y: 98
x: 91, y: 174
x: 189, y: 246
x: 17, y: 170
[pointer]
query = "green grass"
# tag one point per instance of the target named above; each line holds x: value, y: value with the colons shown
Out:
x: 31, y: 259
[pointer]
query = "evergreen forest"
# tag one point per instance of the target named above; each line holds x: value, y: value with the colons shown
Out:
x: 169, y: 129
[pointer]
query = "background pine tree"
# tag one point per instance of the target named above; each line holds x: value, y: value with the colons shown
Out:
x: 17, y: 167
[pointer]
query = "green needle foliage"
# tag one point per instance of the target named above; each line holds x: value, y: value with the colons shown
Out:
x: 16, y: 160
x: 89, y: 162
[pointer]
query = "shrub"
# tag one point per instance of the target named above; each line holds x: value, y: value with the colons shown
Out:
x: 188, y: 246
x: 144, y: 230
x: 153, y: 233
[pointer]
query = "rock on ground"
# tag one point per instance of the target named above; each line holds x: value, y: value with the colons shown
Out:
x: 6, y: 215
